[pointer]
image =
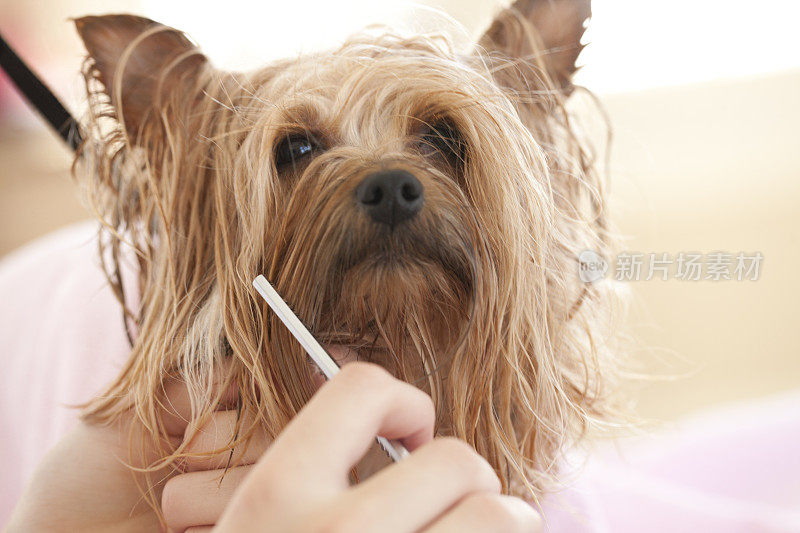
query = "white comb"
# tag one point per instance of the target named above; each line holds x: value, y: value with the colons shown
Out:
x: 325, y: 362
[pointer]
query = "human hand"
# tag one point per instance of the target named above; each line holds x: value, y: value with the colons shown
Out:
x: 301, y: 482
x: 84, y: 483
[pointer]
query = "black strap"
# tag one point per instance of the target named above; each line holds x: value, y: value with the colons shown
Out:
x: 40, y: 96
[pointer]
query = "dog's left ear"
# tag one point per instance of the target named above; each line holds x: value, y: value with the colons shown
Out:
x: 540, y: 37
x: 142, y: 64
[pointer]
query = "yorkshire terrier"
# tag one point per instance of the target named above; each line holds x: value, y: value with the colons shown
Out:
x: 422, y: 205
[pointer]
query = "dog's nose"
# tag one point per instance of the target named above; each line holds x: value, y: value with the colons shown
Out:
x: 390, y: 196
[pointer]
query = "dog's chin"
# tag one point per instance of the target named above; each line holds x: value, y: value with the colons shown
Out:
x: 383, y: 309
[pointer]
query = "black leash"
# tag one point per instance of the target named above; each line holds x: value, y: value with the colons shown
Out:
x: 40, y: 96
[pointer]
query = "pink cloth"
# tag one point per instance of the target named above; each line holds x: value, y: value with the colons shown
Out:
x: 62, y: 339
x: 732, y: 470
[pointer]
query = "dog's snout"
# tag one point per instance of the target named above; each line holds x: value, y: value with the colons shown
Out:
x: 390, y: 196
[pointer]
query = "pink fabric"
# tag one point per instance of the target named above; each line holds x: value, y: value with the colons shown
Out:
x: 732, y: 470
x: 62, y: 340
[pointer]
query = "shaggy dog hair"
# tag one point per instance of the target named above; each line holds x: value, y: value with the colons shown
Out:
x: 213, y: 177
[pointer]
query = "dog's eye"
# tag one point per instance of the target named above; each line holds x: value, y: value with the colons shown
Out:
x: 443, y: 138
x: 293, y: 148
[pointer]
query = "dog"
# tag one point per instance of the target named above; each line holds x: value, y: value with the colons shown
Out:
x: 422, y: 206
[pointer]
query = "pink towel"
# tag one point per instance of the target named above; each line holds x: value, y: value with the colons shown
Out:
x: 732, y: 470
x: 63, y: 340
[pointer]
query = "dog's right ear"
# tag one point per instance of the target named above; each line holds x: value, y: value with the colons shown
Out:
x: 142, y: 65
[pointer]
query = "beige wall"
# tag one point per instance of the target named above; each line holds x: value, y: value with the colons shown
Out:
x: 707, y: 167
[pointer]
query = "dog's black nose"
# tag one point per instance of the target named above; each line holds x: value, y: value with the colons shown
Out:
x: 390, y: 196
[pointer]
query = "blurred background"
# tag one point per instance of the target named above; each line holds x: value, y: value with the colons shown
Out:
x: 703, y: 99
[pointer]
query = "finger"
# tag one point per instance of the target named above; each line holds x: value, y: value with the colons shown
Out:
x: 335, y: 429
x: 207, y: 448
x: 176, y: 406
x: 414, y: 492
x: 198, y: 498
x: 488, y: 513
x: 201, y: 529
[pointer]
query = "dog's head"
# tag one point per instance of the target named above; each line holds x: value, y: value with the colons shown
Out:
x: 421, y: 205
